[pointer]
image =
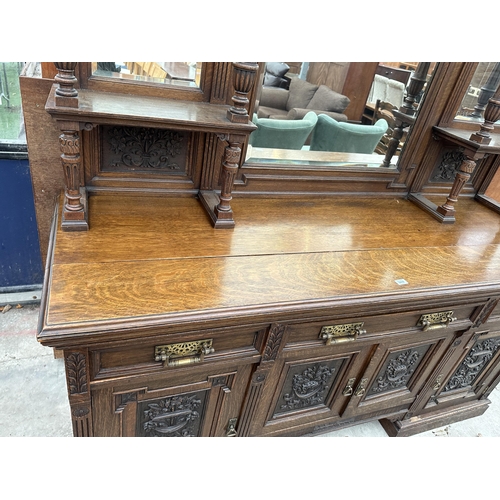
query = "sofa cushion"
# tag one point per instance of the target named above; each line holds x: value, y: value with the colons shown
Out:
x: 277, y: 68
x: 301, y: 92
x: 267, y: 112
x: 326, y: 99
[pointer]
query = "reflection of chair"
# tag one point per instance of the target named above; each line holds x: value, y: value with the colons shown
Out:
x: 146, y: 69
x: 331, y: 135
x: 385, y: 110
x: 282, y: 134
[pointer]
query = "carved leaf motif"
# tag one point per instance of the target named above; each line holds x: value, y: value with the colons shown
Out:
x: 76, y: 372
x: 274, y: 342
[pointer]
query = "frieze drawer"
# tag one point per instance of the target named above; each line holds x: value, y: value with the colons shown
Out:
x: 365, y: 327
x: 168, y: 354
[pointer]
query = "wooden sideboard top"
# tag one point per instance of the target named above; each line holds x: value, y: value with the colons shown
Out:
x: 151, y: 261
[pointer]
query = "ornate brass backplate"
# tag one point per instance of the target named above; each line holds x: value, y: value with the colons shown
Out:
x: 436, y: 320
x: 335, y: 334
x: 183, y: 353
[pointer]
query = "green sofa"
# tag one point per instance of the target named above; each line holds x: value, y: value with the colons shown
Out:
x: 331, y: 135
x: 282, y: 134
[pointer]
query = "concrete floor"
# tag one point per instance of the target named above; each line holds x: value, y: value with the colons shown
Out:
x: 33, y: 398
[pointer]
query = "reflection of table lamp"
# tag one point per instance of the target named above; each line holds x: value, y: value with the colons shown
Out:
x: 491, y: 115
x: 405, y: 115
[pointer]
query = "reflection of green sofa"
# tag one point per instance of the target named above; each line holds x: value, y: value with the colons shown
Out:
x: 300, y: 99
x: 282, y: 134
x: 331, y: 135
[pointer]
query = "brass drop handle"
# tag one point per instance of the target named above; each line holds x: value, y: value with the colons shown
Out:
x: 336, y: 334
x: 437, y: 320
x: 231, y: 428
x: 437, y: 384
x: 184, y: 353
x: 361, y: 389
x: 348, y: 390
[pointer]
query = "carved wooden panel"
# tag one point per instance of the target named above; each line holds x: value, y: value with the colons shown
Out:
x: 397, y: 370
x: 175, y: 416
x: 307, y: 386
x: 481, y: 353
x: 142, y: 149
x: 447, y: 166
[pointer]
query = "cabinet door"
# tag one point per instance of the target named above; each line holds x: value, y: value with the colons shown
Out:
x: 397, y: 371
x: 467, y: 376
x: 183, y: 403
x: 307, y: 387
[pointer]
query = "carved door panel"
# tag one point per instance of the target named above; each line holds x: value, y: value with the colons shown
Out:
x: 468, y: 375
x: 306, y: 387
x: 187, y: 405
x: 397, y: 371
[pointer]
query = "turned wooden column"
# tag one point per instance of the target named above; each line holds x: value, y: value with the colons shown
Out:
x: 74, y: 216
x: 405, y: 115
x: 66, y: 93
x: 230, y: 164
x: 487, y: 91
x: 219, y: 207
x: 472, y: 155
x: 244, y: 74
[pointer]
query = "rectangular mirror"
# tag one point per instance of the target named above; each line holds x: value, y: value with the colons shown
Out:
x: 185, y: 74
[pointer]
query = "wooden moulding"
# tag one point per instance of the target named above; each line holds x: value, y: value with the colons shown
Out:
x: 423, y: 423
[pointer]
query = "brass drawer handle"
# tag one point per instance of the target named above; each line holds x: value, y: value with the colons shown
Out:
x: 184, y: 353
x: 336, y: 334
x: 437, y: 320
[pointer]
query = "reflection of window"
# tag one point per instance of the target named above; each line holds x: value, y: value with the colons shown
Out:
x: 11, y: 114
x: 482, y: 87
x: 186, y: 74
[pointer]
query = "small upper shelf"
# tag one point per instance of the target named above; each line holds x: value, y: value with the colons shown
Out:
x: 109, y: 108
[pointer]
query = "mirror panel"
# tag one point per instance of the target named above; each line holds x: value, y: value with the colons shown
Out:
x: 185, y: 74
x: 373, y: 90
x: 484, y: 84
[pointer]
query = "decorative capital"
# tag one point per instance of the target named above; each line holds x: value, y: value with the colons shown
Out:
x: 66, y: 93
x: 244, y: 77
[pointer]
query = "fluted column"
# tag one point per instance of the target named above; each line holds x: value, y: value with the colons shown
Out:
x: 74, y: 216
x: 66, y: 93
x: 243, y: 79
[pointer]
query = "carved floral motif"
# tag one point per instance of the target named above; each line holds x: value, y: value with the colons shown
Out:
x: 144, y: 148
x: 449, y: 165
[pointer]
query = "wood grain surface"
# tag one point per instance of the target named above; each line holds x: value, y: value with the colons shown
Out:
x: 159, y: 256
